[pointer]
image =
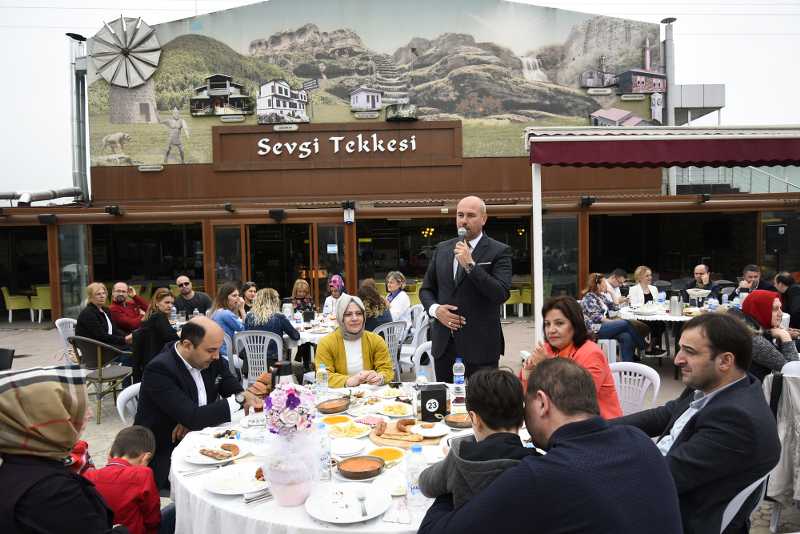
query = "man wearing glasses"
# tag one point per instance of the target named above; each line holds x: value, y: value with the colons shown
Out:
x: 189, y: 299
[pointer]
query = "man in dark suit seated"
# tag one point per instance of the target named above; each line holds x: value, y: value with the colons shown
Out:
x: 719, y: 436
x: 751, y: 280
x: 594, y: 478
x: 467, y: 280
x: 183, y: 388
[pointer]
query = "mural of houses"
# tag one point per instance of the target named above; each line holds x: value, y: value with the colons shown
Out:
x: 616, y: 117
x: 278, y: 102
x: 641, y: 81
x: 366, y: 99
x: 220, y: 96
x: 597, y: 78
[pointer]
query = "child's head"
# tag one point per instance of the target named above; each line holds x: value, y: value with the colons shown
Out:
x: 136, y: 444
x: 496, y: 398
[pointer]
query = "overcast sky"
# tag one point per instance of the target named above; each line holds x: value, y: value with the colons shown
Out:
x: 750, y: 46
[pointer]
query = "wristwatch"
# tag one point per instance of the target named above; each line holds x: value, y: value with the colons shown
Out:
x: 468, y: 268
x: 239, y: 397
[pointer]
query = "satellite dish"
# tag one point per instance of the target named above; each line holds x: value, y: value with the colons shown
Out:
x: 125, y: 52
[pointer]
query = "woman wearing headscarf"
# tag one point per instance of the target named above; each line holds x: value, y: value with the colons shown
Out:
x: 336, y: 288
x: 772, y: 345
x: 42, y: 413
x: 351, y: 354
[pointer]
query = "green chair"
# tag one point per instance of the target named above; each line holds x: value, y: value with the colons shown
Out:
x: 41, y: 301
x: 514, y: 299
x: 16, y: 302
x: 526, y: 297
x: 381, y: 288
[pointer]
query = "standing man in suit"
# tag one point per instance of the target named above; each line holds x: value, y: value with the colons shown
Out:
x: 183, y: 388
x: 719, y: 436
x: 467, y: 281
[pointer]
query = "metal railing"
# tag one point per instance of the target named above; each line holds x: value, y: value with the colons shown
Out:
x: 744, y: 179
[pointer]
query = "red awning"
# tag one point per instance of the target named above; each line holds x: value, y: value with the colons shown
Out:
x: 696, y: 152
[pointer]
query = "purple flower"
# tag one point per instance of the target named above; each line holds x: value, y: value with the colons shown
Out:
x: 292, y: 401
x: 268, y: 403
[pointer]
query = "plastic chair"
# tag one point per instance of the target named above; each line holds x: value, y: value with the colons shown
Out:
x: 41, y: 301
x: 417, y: 311
x: 174, y: 289
x: 610, y: 349
x: 255, y: 344
x: 633, y: 380
x: 514, y: 299
x: 16, y: 302
x: 526, y: 295
x: 408, y: 350
x: 413, y: 296
x: 393, y: 333
x: 128, y: 402
x: 727, y: 290
x: 66, y: 328
x: 430, y: 369
x: 738, y: 501
x: 106, y: 378
x: 791, y: 369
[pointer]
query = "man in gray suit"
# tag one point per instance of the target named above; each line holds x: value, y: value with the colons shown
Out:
x: 467, y: 281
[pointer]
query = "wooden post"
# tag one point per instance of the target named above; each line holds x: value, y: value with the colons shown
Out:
x: 54, y: 270
x: 583, y: 248
x: 350, y: 258
x: 208, y: 259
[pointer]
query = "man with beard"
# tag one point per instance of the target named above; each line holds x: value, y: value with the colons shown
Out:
x: 127, y: 308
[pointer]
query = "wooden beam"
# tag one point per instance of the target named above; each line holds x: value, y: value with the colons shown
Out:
x: 208, y: 259
x: 583, y: 248
x: 351, y: 258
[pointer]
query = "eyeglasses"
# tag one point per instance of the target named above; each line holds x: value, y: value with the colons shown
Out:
x: 349, y: 315
x: 185, y: 284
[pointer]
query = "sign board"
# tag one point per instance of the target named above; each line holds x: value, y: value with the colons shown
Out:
x: 634, y: 97
x: 367, y: 114
x: 596, y: 91
x: 310, y: 85
x: 332, y: 248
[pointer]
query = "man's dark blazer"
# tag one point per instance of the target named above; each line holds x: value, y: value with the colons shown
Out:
x: 478, y: 296
x: 726, y: 446
x: 93, y: 325
x: 168, y: 396
x: 594, y: 479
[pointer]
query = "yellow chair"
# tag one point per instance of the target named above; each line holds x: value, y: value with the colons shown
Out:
x: 413, y: 296
x: 526, y: 297
x: 381, y: 289
x: 16, y: 302
x: 514, y: 299
x: 175, y: 290
x: 41, y: 301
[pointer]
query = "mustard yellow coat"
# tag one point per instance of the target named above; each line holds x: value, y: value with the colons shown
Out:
x: 330, y: 351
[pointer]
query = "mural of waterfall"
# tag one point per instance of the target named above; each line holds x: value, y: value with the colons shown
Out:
x: 532, y: 70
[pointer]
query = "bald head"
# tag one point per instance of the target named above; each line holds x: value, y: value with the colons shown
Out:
x: 201, y: 339
x: 471, y: 214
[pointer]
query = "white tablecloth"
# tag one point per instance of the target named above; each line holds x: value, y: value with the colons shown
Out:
x: 201, y: 512
x: 629, y: 313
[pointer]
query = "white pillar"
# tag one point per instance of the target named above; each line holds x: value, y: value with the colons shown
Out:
x: 536, y: 249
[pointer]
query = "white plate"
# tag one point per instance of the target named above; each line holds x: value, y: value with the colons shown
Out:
x: 338, y: 503
x: 364, y: 409
x: 648, y: 311
x: 407, y: 413
x: 438, y: 430
x: 346, y: 447
x: 363, y: 433
x: 194, y: 457
x: 236, y: 479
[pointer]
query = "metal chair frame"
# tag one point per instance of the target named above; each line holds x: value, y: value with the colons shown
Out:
x: 93, y: 360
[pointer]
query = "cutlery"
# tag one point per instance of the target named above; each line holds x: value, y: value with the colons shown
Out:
x: 362, y: 498
x: 204, y: 470
x: 264, y: 495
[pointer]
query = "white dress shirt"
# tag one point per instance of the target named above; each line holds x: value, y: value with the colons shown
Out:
x: 472, y: 244
x: 202, y: 398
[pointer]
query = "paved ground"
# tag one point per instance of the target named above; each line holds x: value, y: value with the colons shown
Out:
x: 37, y: 345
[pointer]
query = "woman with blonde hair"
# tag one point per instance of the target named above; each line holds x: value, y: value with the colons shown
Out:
x: 155, y: 332
x: 94, y: 321
x: 641, y: 293
x: 265, y: 315
x: 301, y: 296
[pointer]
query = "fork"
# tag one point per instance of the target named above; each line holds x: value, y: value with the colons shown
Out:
x: 204, y: 470
x: 264, y: 495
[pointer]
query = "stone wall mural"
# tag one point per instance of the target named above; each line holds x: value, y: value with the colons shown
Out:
x: 497, y: 66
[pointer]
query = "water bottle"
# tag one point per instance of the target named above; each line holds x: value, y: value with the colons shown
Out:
x: 712, y: 304
x: 195, y: 313
x: 324, y: 452
x: 459, y: 403
x: 321, y: 384
x: 415, y: 464
x: 298, y: 318
x: 173, y: 316
x: 736, y: 303
x: 724, y: 299
x: 662, y: 298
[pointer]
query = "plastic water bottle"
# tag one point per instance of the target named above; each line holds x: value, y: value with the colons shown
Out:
x: 196, y: 313
x: 324, y: 452
x: 662, y: 298
x: 459, y: 403
x: 724, y: 299
x: 712, y: 304
x: 297, y: 318
x: 415, y: 464
x: 736, y: 303
x: 321, y: 383
x: 173, y: 316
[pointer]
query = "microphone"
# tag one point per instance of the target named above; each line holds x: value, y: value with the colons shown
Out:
x: 462, y: 233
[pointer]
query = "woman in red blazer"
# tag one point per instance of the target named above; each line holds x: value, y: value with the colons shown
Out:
x: 566, y: 337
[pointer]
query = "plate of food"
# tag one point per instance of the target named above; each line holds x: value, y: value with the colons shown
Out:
x: 216, y: 452
x: 391, y: 393
x: 390, y: 455
x: 335, y: 419
x: 350, y: 429
x: 692, y: 311
x: 336, y: 405
x: 368, y: 406
x: 430, y: 430
x: 236, y: 479
x: 396, y: 409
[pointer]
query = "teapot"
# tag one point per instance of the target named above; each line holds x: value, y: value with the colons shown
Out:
x: 282, y: 373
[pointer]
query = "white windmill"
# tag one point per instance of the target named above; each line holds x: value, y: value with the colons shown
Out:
x: 125, y: 53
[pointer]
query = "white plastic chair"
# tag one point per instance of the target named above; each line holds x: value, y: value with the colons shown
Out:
x: 128, y: 402
x: 610, y: 349
x: 417, y: 312
x: 393, y: 333
x: 791, y: 369
x: 66, y: 328
x: 430, y: 369
x: 408, y: 350
x: 736, y: 503
x: 633, y: 380
x: 255, y: 344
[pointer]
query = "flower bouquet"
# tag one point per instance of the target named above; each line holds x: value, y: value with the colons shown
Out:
x: 293, y: 455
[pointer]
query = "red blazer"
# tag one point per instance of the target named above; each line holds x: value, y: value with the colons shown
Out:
x: 130, y: 491
x: 127, y: 317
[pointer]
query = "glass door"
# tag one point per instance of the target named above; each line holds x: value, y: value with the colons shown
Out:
x: 228, y: 254
x: 279, y: 254
x: 330, y: 259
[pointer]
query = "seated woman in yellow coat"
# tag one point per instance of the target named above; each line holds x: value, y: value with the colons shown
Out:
x: 352, y: 355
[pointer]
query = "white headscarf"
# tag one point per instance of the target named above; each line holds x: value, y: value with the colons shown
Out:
x: 341, y: 307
